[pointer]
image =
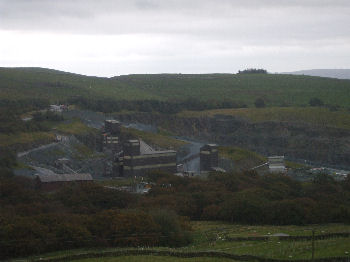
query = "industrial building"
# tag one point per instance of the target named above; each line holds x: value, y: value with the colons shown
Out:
x: 110, y: 136
x: 133, y: 157
x: 52, y: 181
x: 209, y: 157
x: 112, y: 127
x: 138, y: 159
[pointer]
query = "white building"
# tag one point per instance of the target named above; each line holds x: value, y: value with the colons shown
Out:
x: 276, y: 164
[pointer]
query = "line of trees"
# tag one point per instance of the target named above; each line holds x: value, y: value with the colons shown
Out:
x: 89, y: 215
x: 10, y: 115
x: 78, y: 215
x: 252, y: 199
x: 253, y: 71
x: 167, y: 107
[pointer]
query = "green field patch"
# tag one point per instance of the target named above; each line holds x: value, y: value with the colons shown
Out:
x: 155, y: 259
x: 235, y: 230
x: 26, y: 139
x: 21, y: 165
x: 318, y: 116
x: 158, y: 140
x: 82, y: 151
x: 243, y: 159
x: 74, y: 127
x: 213, y: 236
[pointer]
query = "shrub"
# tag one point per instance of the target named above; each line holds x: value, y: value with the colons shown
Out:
x: 259, y: 103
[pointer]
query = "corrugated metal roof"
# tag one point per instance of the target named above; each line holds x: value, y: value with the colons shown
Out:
x: 46, y: 178
x: 145, y: 148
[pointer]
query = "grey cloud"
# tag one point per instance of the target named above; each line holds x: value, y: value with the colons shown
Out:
x: 265, y: 19
x: 219, y: 29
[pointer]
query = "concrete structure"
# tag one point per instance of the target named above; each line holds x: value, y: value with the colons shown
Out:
x: 209, y: 157
x: 112, y: 127
x: 58, y: 108
x: 132, y: 148
x: 138, y: 160
x: 132, y: 157
x: 110, y: 136
x: 276, y: 164
x: 52, y: 181
x: 110, y: 142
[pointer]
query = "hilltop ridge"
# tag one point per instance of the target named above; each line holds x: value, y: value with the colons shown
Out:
x: 275, y: 89
x: 332, y: 73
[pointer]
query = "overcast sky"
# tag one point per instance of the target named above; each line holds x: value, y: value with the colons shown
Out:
x: 114, y: 37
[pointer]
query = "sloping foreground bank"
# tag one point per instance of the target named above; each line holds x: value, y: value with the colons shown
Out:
x: 213, y: 254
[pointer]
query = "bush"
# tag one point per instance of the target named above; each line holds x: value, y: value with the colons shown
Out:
x: 173, y: 232
x: 316, y: 102
x: 259, y: 103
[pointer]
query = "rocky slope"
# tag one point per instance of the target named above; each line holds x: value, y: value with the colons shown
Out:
x: 295, y: 140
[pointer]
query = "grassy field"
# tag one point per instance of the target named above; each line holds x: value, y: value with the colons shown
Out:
x: 275, y: 89
x: 25, y: 138
x: 160, y: 140
x: 73, y: 127
x: 232, y: 230
x: 154, y: 259
x: 313, y: 115
x: 243, y: 159
x: 212, y: 236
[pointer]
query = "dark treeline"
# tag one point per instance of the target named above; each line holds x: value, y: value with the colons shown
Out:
x: 167, y: 107
x: 11, y: 111
x: 78, y: 215
x: 23, y: 105
x: 12, y: 123
x: 252, y: 199
x: 89, y: 215
x: 252, y: 71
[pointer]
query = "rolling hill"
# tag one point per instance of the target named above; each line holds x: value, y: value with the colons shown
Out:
x: 275, y: 89
x: 333, y: 73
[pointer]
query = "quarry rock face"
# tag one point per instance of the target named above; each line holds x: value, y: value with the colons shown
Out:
x: 299, y: 141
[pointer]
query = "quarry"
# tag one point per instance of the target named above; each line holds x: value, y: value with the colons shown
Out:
x: 115, y: 155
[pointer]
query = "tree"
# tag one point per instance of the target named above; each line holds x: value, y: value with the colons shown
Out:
x: 253, y: 71
x: 259, y: 103
x: 316, y: 102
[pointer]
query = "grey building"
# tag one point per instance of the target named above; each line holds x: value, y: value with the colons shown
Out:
x: 276, y: 164
x: 209, y: 157
x: 139, y: 159
x: 110, y: 136
x: 112, y: 127
x: 52, y: 181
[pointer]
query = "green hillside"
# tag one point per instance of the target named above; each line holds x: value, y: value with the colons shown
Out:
x: 276, y: 90
x: 316, y: 116
x: 21, y: 83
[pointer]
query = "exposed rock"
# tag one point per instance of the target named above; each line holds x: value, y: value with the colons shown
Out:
x: 298, y: 141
